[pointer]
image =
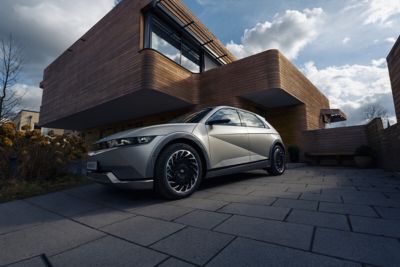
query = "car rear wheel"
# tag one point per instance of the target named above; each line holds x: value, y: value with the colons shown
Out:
x: 278, y: 161
x: 178, y: 171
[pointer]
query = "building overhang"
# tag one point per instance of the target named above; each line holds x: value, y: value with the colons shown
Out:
x: 272, y: 98
x: 135, y: 105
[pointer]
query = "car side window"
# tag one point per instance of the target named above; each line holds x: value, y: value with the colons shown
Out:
x: 250, y: 120
x: 227, y: 113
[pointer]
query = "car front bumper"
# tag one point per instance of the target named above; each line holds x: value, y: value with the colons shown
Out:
x: 126, y: 166
x: 108, y: 178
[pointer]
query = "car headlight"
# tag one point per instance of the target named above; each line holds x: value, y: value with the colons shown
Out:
x: 128, y: 141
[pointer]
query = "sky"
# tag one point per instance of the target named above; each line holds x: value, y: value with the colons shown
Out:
x: 340, y: 45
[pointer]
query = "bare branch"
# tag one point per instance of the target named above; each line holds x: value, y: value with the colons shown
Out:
x: 11, y: 61
x: 374, y: 110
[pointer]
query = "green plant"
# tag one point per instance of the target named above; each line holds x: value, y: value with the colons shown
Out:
x: 364, y: 150
x: 294, y: 153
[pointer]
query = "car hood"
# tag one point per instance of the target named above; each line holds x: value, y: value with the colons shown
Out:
x: 155, y: 130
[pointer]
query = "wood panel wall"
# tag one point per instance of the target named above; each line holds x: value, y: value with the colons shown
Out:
x: 102, y: 65
x: 393, y: 61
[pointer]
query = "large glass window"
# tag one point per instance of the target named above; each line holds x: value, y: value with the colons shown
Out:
x: 173, y: 42
x: 165, y: 40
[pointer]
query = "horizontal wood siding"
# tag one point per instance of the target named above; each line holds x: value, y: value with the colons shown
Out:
x: 103, y: 65
x: 393, y: 61
x: 335, y: 140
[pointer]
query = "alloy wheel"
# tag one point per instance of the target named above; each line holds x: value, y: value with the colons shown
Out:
x: 182, y: 171
x: 279, y: 157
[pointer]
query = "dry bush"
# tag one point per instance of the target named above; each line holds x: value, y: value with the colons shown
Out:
x: 28, y: 155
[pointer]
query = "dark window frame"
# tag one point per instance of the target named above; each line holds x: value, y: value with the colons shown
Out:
x: 180, y: 31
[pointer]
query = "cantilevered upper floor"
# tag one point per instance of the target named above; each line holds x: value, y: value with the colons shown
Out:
x: 147, y: 57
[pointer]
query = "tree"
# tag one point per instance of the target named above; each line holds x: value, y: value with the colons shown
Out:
x: 11, y: 60
x: 375, y: 110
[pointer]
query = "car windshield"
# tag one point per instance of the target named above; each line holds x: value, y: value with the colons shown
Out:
x: 192, y: 117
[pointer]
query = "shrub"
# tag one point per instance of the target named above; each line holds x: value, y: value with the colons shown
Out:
x: 28, y: 155
x: 364, y: 150
x: 294, y: 153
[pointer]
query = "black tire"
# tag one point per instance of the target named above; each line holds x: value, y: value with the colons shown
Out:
x: 178, y: 171
x: 278, y: 161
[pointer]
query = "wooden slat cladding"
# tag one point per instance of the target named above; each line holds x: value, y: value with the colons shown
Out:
x: 103, y: 67
x: 393, y: 61
x: 162, y: 74
x: 335, y: 140
x: 222, y: 85
x: 293, y: 81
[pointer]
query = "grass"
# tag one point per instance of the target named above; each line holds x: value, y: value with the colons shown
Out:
x: 16, y: 189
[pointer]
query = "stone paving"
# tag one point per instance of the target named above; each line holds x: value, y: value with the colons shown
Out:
x: 311, y: 216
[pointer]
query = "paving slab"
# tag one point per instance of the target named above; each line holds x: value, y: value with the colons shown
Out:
x: 172, y: 262
x: 271, y: 193
x: 315, y: 218
x: 288, y: 234
x: 389, y: 213
x: 351, y: 209
x: 390, y: 228
x: 322, y: 197
x: 101, y: 217
x: 199, y: 245
x: 204, y: 204
x: 296, y: 204
x: 19, y: 214
x: 32, y: 262
x: 258, y: 200
x: 63, y: 204
x: 202, y: 219
x: 163, y: 211
x: 49, y: 238
x: 364, y: 248
x: 108, y: 251
x: 142, y: 230
x: 260, y: 211
x: 245, y: 252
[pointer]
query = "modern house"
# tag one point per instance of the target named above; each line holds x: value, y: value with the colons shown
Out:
x: 147, y: 61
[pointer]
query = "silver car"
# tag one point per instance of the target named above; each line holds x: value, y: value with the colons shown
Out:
x: 173, y: 158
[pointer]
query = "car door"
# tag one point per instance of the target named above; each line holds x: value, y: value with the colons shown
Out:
x: 260, y: 136
x: 228, y: 142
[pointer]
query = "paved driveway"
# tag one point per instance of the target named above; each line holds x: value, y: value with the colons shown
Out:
x: 308, y: 217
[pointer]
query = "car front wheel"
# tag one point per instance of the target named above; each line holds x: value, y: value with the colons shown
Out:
x: 178, y: 171
x: 278, y: 161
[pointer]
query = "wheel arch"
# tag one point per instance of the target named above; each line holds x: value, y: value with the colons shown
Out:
x: 180, y: 138
x: 277, y: 142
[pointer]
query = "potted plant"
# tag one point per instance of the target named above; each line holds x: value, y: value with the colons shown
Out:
x: 294, y: 153
x: 363, y: 156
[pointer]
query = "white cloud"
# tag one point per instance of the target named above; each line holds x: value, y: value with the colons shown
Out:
x: 31, y: 96
x: 289, y: 32
x: 346, y: 40
x: 390, y: 40
x: 381, y: 12
x: 45, y: 28
x: 351, y: 87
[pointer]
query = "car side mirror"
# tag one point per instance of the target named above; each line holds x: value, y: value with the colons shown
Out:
x: 222, y: 121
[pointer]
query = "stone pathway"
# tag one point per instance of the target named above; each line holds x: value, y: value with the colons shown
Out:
x: 311, y: 216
